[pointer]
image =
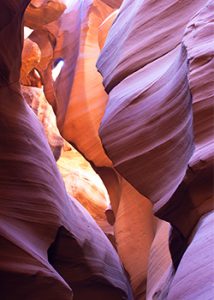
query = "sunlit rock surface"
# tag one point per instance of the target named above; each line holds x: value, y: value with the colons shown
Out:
x: 134, y: 233
x: 87, y: 98
x: 85, y: 185
x: 81, y: 181
x: 42, y: 12
x: 40, y: 224
x: 31, y: 56
x: 157, y: 131
x: 105, y: 27
x: 36, y: 99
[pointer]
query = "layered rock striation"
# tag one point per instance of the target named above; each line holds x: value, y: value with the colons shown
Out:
x: 41, y: 226
x: 157, y: 128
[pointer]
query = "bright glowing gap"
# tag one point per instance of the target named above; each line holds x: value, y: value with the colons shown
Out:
x: 57, y: 69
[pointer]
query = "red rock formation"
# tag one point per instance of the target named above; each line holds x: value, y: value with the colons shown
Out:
x: 113, y: 3
x: 31, y: 56
x: 35, y: 208
x: 36, y: 99
x: 105, y: 27
x: 134, y: 233
x: 86, y: 103
x: 42, y: 12
x: 87, y: 98
x: 61, y: 38
x: 156, y: 61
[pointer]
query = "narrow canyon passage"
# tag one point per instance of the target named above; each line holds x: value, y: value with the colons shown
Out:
x: 106, y: 150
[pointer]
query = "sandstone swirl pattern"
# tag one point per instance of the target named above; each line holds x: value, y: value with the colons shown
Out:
x: 35, y: 207
x: 145, y: 73
x: 157, y: 67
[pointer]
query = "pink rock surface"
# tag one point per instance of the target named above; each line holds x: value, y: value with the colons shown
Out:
x: 159, y: 260
x: 105, y: 27
x: 143, y: 32
x: 198, y: 39
x: 194, y: 276
x: 35, y: 207
x: 138, y: 140
x: 148, y: 130
x: 113, y: 3
x: 157, y: 66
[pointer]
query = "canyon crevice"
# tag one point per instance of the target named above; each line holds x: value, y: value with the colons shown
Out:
x: 106, y: 149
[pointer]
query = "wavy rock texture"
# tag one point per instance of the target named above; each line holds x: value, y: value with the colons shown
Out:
x: 105, y: 27
x: 145, y: 68
x: 35, y: 208
x: 113, y: 3
x: 194, y: 196
x: 193, y: 279
x: 61, y: 36
x: 72, y: 38
x: 137, y: 148
x: 160, y: 23
x: 157, y: 60
x: 80, y: 179
x: 87, y: 99
x: 198, y: 39
x: 148, y: 131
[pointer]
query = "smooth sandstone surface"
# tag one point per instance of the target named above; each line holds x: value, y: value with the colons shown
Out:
x: 87, y: 99
x: 137, y: 148
x: 36, y: 209
x: 77, y: 95
x: 113, y: 3
x: 81, y: 181
x: 143, y: 32
x: 139, y: 128
x: 134, y: 233
x: 157, y: 129
x: 159, y: 262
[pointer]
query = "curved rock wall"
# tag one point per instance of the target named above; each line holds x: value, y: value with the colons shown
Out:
x: 157, y: 64
x: 157, y: 129
x: 36, y: 211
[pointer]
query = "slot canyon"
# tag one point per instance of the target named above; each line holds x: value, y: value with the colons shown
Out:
x: 107, y: 150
